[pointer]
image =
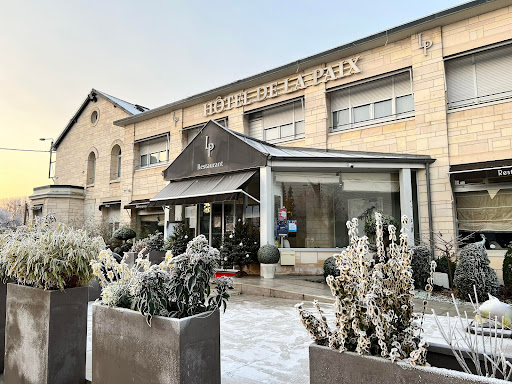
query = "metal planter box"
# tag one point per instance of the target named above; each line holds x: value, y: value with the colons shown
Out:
x: 328, y: 366
x: 45, y: 335
x: 3, y: 296
x: 126, y: 350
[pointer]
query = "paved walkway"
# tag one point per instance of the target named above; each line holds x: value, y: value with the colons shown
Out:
x: 309, y: 288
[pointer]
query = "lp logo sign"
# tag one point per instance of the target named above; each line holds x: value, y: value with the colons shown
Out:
x: 209, y: 147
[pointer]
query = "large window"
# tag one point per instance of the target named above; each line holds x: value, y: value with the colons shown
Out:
x: 372, y: 102
x: 479, y: 77
x: 277, y: 124
x: 318, y: 205
x: 154, y: 151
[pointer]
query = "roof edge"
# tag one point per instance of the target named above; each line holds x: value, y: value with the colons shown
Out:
x: 388, y: 34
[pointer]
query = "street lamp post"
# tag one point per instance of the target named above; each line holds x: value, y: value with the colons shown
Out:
x: 51, y: 153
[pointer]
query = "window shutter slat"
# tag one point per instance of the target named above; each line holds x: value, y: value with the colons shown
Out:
x: 299, y: 110
x: 494, y: 73
x: 278, y: 116
x: 460, y: 81
x: 256, y: 126
x: 403, y: 84
x: 371, y: 92
x: 339, y: 100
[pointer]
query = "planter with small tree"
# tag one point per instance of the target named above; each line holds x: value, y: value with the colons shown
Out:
x: 46, y: 312
x: 177, y: 241
x: 177, y: 338
x: 268, y: 256
x: 155, y: 247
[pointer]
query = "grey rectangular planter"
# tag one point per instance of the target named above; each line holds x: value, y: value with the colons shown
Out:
x: 126, y: 350
x: 328, y: 366
x: 45, y: 335
x: 156, y: 257
x: 3, y: 294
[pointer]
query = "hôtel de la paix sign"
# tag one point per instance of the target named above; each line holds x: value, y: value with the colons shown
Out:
x: 289, y: 85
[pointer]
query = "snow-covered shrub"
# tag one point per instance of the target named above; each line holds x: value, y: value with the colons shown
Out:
x: 330, y: 267
x: 124, y: 233
x: 155, y: 242
x: 177, y: 287
x: 138, y: 246
x: 268, y: 254
x: 473, y: 269
x: 374, y: 300
x: 507, y: 268
x: 421, y: 257
x: 50, y: 255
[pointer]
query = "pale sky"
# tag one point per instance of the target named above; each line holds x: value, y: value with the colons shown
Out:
x: 152, y: 53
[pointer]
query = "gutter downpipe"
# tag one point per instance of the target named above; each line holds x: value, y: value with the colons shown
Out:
x: 429, y: 203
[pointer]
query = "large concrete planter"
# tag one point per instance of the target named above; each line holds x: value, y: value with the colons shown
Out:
x: 45, y: 335
x: 268, y: 271
x: 126, y: 350
x: 328, y: 366
x: 3, y: 295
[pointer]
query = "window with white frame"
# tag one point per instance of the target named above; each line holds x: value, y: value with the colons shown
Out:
x: 153, y: 151
x: 282, y: 123
x: 374, y: 101
x: 479, y: 77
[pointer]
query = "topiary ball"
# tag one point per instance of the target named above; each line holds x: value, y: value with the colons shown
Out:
x: 268, y: 254
x: 330, y: 267
x: 124, y: 233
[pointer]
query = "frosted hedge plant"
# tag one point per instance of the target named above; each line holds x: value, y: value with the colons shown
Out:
x: 178, y: 287
x: 49, y: 255
x: 473, y: 269
x: 374, y: 300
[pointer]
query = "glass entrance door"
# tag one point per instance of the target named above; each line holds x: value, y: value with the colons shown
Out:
x: 214, y: 220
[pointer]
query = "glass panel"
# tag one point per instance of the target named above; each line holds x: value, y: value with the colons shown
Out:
x: 144, y: 160
x: 300, y: 128
x: 383, y: 108
x: 272, y: 134
x: 316, y: 206
x: 361, y: 113
x: 154, y: 158
x: 229, y: 216
x: 204, y: 219
x: 216, y: 225
x: 287, y: 130
x: 404, y: 104
x: 341, y: 118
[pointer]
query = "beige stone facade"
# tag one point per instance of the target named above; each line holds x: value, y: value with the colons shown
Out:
x: 479, y: 133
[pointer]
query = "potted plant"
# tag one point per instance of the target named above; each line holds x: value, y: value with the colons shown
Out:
x: 155, y: 247
x: 268, y: 256
x: 375, y: 328
x: 177, y: 241
x: 177, y: 338
x: 46, y: 312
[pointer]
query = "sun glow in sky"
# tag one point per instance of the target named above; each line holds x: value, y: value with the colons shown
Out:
x: 52, y: 53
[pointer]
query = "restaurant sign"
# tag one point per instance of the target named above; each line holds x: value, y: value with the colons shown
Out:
x: 342, y: 69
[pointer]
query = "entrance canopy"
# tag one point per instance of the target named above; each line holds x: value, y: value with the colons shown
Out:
x: 203, y: 190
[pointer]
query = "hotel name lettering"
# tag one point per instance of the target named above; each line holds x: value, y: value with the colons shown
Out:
x: 344, y: 68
